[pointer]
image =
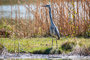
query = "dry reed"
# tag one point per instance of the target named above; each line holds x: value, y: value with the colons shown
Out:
x: 71, y: 17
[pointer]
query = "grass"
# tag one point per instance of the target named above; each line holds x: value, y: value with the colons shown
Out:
x: 39, y: 45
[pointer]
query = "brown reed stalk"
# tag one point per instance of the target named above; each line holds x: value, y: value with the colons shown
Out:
x: 62, y: 12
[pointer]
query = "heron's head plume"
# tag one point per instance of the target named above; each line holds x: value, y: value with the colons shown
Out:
x: 46, y: 6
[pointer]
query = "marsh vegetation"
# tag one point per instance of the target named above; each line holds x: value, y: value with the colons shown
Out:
x: 44, y: 45
x: 31, y: 20
x: 24, y: 26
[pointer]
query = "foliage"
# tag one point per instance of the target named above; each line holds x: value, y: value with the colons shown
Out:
x: 70, y: 17
x: 68, y: 46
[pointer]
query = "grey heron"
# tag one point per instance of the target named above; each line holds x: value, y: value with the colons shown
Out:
x: 53, y: 29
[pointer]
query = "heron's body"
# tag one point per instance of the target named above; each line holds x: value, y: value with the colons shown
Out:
x: 53, y: 29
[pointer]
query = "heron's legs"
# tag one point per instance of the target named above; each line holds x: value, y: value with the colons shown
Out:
x: 56, y: 44
x: 52, y: 42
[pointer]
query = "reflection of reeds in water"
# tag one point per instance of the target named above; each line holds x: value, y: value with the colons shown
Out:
x: 71, y: 17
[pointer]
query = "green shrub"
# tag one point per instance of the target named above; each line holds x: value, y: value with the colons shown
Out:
x: 67, y: 46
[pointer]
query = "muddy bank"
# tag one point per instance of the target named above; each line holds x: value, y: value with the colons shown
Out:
x: 1, y: 48
x: 82, y: 51
x: 68, y: 49
x: 75, y: 54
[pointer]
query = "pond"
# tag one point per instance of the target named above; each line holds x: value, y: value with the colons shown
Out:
x: 26, y: 11
x: 43, y: 57
x: 11, y: 9
x: 19, y: 11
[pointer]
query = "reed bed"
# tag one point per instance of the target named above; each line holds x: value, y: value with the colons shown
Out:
x: 71, y: 17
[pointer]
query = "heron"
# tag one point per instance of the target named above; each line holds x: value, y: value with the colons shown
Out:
x: 53, y: 28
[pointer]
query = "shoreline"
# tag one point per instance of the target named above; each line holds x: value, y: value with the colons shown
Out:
x: 42, y: 56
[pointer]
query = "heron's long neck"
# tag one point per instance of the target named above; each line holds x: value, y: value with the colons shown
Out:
x: 50, y: 14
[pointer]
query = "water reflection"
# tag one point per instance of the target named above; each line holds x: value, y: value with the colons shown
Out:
x: 19, y: 11
x: 40, y: 59
x: 25, y: 11
x: 33, y: 59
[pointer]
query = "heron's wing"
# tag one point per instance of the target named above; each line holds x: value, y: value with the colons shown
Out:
x: 57, y: 32
x: 54, y: 31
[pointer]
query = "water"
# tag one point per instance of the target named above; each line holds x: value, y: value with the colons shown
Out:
x: 11, y: 9
x: 19, y: 11
x: 42, y: 57
x: 25, y: 11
